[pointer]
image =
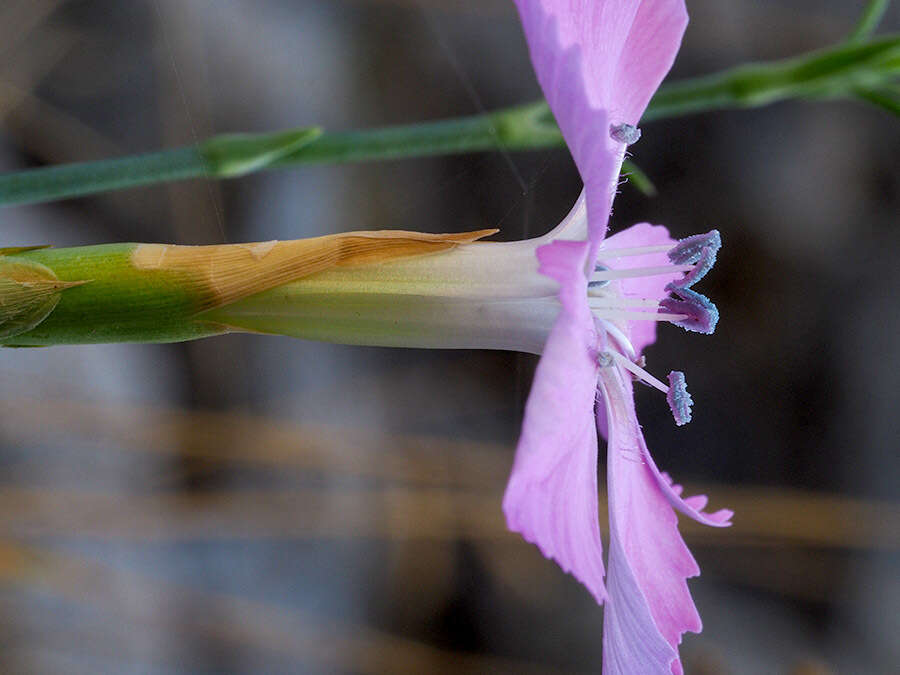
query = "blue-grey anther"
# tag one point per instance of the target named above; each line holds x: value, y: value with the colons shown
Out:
x: 701, y: 315
x: 699, y: 250
x: 703, y: 265
x: 604, y: 359
x: 679, y: 399
x: 599, y: 283
x: 689, y: 250
x: 624, y: 133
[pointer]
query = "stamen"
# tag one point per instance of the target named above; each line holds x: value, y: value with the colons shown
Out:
x: 679, y: 399
x: 620, y: 338
x: 613, y: 302
x: 604, y: 359
x: 639, y: 302
x: 639, y: 372
x: 603, y: 274
x: 625, y: 315
x: 624, y: 133
x: 608, y: 254
x: 599, y: 283
x: 689, y: 249
x: 704, y: 264
x: 702, y: 315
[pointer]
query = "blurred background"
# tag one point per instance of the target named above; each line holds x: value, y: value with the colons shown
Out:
x: 258, y: 504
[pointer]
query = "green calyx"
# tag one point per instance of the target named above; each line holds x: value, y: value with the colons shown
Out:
x: 29, y: 292
x: 93, y: 294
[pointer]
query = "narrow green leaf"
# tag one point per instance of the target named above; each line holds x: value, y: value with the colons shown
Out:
x: 831, y: 72
x: 840, y: 71
x: 887, y: 98
x: 638, y: 178
x: 868, y: 20
x: 50, y: 183
x: 231, y: 155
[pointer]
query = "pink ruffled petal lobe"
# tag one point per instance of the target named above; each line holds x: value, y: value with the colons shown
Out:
x: 631, y: 642
x: 551, y: 498
x: 649, y: 563
x: 692, y: 507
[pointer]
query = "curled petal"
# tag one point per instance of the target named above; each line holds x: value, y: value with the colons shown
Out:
x: 551, y: 498
x: 692, y: 507
x: 671, y: 491
x: 645, y: 545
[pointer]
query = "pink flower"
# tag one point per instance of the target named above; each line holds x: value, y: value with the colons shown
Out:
x: 599, y: 62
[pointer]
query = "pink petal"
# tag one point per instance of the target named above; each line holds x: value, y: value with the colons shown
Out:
x: 574, y: 225
x: 642, y: 333
x: 648, y: 54
x: 692, y: 507
x: 631, y: 641
x: 599, y: 62
x: 551, y: 498
x: 646, y: 548
x: 697, y: 502
x: 602, y: 422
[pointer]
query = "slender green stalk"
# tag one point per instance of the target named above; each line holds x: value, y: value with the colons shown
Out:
x: 841, y: 70
x: 525, y: 127
x: 868, y: 20
x: 829, y: 72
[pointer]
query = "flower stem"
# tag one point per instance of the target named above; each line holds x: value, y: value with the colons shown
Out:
x: 827, y: 73
x: 868, y: 20
x: 839, y: 71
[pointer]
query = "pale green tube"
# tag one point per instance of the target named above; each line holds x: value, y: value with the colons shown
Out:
x: 388, y: 288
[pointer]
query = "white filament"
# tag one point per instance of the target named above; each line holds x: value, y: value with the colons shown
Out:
x: 642, y: 374
x: 620, y: 338
x: 601, y: 309
x: 603, y: 275
x: 605, y: 254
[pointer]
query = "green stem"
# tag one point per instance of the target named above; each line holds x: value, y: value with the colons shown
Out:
x: 837, y: 71
x: 828, y: 72
x: 525, y: 127
x: 868, y: 20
